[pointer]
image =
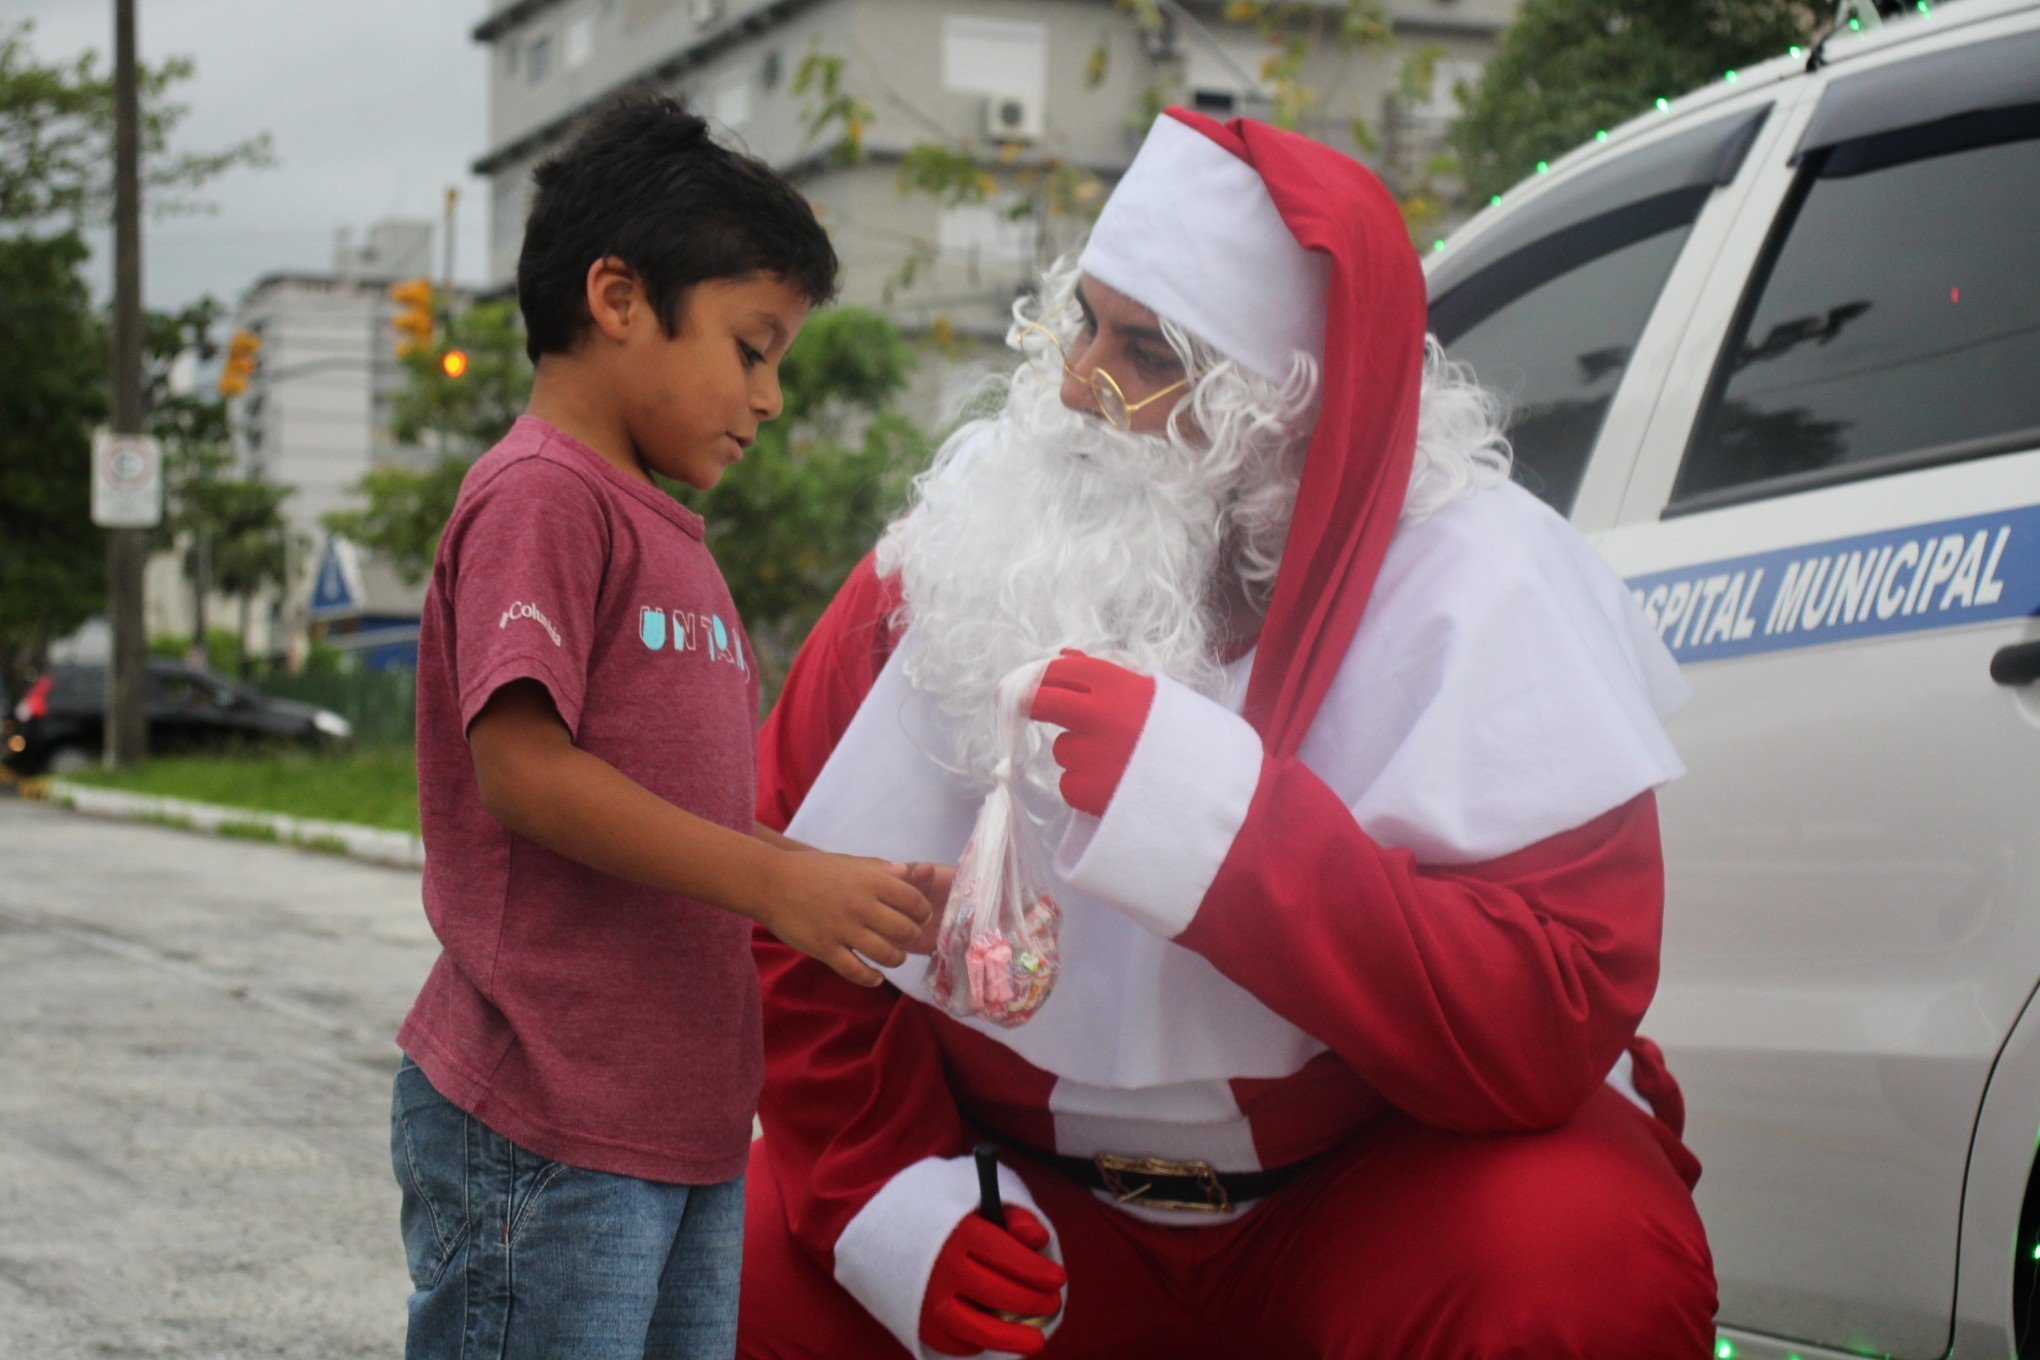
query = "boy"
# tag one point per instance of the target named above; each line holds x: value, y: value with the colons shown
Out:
x: 573, y: 1114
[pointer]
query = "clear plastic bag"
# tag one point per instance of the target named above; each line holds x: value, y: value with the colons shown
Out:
x: 995, y: 951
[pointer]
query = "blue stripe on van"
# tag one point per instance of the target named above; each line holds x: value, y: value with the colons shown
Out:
x: 1936, y: 575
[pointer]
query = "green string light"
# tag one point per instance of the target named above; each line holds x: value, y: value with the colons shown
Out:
x: 1601, y: 136
x: 1495, y: 202
x: 1924, y: 7
x: 1793, y: 51
x: 1544, y: 167
x: 1663, y: 104
x: 2036, y: 1251
x: 1855, y: 24
x: 1438, y: 245
x: 1723, y: 1350
x: 1730, y: 77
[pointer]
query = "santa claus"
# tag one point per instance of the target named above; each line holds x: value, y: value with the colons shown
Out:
x: 1342, y: 768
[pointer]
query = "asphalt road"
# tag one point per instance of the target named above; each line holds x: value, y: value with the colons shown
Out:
x: 195, y: 1058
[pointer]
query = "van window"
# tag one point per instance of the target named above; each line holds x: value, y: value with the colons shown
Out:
x: 1898, y: 322
x: 1554, y: 341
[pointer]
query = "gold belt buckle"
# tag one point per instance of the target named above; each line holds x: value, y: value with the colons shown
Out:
x: 1124, y: 1181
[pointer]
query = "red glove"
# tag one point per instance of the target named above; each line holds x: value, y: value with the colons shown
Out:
x: 984, y: 1270
x: 1101, y: 708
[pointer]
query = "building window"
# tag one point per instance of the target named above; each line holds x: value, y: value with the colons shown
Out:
x: 992, y: 56
x: 733, y: 103
x: 538, y: 59
x: 580, y: 41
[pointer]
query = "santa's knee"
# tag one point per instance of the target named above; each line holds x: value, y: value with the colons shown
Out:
x: 790, y: 1308
x: 1553, y: 1261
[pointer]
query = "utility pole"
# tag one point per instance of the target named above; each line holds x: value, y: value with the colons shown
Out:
x: 127, y: 731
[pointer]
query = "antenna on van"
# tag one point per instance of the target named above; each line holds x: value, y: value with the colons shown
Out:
x: 1854, y: 16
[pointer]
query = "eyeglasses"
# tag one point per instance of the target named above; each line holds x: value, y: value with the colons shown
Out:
x: 1112, y: 402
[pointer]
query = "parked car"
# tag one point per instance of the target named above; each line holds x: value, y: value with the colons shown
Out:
x: 60, y: 722
x: 1775, y: 346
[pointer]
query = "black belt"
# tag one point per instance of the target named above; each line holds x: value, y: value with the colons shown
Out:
x: 1161, y: 1183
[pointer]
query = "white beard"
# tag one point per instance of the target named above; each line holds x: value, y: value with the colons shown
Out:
x: 1043, y: 529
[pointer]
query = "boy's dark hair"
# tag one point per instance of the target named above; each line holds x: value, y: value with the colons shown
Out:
x: 646, y: 184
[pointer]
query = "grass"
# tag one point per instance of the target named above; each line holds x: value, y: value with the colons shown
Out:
x: 376, y: 786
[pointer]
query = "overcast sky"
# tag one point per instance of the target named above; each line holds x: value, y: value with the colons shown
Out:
x: 375, y: 108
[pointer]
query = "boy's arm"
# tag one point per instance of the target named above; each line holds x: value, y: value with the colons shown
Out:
x: 539, y: 785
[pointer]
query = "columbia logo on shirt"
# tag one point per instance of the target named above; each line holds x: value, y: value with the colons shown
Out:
x: 522, y: 610
x: 690, y: 632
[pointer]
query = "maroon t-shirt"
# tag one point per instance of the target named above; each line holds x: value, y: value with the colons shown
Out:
x: 593, y: 1021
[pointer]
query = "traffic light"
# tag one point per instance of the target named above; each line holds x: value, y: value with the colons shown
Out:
x: 454, y: 363
x: 241, y: 362
x: 414, y: 321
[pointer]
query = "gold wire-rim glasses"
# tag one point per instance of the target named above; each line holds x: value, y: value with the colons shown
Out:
x: 1112, y: 402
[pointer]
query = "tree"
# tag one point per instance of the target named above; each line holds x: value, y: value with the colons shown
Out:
x: 1039, y: 185
x: 788, y: 523
x: 1570, y: 68
x: 53, y: 357
x: 405, y: 508
x: 56, y: 138
x: 56, y: 130
x: 474, y: 409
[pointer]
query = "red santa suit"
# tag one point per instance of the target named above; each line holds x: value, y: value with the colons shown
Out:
x: 1367, y: 935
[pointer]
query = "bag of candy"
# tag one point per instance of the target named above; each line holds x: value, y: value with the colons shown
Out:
x: 995, y: 951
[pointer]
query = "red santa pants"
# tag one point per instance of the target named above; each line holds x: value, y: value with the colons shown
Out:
x: 1407, y: 1244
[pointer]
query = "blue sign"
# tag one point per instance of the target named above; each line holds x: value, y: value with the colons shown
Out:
x: 333, y: 590
x: 1937, y: 575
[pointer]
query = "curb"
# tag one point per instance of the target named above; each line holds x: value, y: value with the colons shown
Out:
x: 373, y: 845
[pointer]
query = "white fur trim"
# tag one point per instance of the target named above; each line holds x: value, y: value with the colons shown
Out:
x: 1191, y: 232
x: 1622, y: 1077
x: 1173, y: 819
x: 887, y: 1252
x: 1503, y: 687
x: 1192, y: 1121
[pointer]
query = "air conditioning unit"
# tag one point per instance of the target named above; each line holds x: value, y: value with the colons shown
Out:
x: 1012, y: 118
x: 705, y: 12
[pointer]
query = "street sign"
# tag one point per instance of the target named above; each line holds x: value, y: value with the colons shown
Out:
x: 336, y: 589
x: 127, y: 481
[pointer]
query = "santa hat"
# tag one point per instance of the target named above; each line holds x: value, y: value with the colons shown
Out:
x: 1263, y: 243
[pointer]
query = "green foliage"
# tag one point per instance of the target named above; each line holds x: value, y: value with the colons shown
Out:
x: 945, y: 173
x: 56, y: 137
x: 474, y: 409
x: 1569, y: 68
x: 222, y: 648
x: 1047, y: 187
x: 788, y: 523
x: 372, y: 786
x: 821, y: 77
x: 53, y: 376
x: 404, y: 513
x: 404, y: 508
x: 231, y: 529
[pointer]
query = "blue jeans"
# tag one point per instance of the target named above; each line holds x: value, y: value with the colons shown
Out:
x: 513, y: 1255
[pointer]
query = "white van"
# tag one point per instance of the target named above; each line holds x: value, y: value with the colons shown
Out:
x: 1775, y: 347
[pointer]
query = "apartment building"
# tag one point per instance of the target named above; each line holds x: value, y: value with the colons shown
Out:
x: 316, y: 418
x: 1019, y: 81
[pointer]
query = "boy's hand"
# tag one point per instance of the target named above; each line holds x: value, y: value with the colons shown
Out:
x: 827, y: 905
x: 933, y: 881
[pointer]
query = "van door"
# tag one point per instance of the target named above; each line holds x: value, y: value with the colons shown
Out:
x: 1844, y: 547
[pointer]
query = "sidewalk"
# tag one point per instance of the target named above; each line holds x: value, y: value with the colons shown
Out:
x: 372, y: 845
